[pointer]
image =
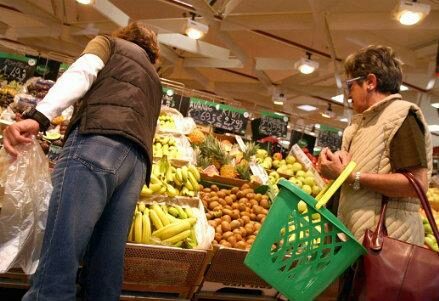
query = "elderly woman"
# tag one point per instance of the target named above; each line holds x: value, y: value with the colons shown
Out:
x: 387, y: 136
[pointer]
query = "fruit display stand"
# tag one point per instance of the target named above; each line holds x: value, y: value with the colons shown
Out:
x: 164, y: 272
x: 227, y: 278
x: 225, y: 181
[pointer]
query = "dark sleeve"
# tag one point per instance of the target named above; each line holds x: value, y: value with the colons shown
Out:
x: 407, y: 149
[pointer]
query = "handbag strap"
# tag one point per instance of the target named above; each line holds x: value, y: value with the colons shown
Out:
x: 376, y: 241
x: 424, y: 202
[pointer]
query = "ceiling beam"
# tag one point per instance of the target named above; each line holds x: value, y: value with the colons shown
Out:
x: 212, y: 63
x: 230, y: 7
x: 263, y: 63
x: 199, y: 47
x: 32, y: 10
x: 112, y: 12
x: 168, y: 54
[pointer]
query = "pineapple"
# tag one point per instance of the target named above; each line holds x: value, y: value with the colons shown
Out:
x: 196, y: 137
x: 211, y: 148
x: 243, y: 170
x: 251, y: 150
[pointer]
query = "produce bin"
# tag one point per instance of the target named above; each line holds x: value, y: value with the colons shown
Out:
x: 298, y: 254
x: 174, y: 272
x: 227, y: 273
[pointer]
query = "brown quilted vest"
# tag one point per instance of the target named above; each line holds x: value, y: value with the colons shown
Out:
x: 124, y: 100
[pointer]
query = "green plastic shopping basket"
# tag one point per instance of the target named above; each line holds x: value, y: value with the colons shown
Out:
x: 301, y: 253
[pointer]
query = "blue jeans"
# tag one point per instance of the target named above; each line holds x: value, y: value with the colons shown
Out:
x: 96, y: 184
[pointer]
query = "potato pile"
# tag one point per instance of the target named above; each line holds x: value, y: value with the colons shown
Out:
x: 236, y: 214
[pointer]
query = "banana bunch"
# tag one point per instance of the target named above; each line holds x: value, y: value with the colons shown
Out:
x: 166, y: 121
x: 164, y: 225
x: 165, y: 145
x: 171, y: 181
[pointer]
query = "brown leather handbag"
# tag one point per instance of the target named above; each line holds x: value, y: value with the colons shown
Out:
x: 394, y: 270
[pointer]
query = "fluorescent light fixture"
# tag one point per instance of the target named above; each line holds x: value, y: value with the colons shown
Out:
x: 344, y: 119
x: 411, y: 12
x: 433, y: 127
x: 306, y: 65
x: 196, y: 30
x: 85, y: 2
x: 403, y: 88
x: 307, y: 108
x: 278, y: 102
x: 435, y: 105
x: 338, y: 98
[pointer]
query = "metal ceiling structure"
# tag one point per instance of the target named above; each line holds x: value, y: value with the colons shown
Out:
x: 250, y: 49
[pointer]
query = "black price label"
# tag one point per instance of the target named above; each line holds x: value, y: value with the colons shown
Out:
x: 174, y: 100
x: 273, y: 125
x: 220, y: 116
x: 16, y: 67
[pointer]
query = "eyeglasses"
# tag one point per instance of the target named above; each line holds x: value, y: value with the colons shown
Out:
x: 351, y: 81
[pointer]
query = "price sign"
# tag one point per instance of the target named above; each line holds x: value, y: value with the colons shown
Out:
x: 15, y: 67
x: 329, y: 137
x: 273, y: 124
x: 259, y: 171
x: 174, y: 100
x: 220, y: 116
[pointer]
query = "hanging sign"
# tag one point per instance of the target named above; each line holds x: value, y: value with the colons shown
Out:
x: 220, y: 116
x: 329, y: 137
x: 16, y: 67
x: 273, y: 124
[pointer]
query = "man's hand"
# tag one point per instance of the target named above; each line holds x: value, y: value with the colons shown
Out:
x: 18, y: 133
x: 331, y: 165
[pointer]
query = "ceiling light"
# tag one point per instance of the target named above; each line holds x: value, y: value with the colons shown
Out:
x: 433, y: 127
x: 403, y: 88
x: 328, y: 113
x: 344, y: 119
x: 338, y: 98
x: 435, y: 105
x: 86, y: 2
x: 170, y: 92
x: 306, y: 65
x: 279, y: 103
x: 196, y: 30
x: 278, y: 97
x: 317, y: 126
x: 411, y: 12
x: 307, y: 108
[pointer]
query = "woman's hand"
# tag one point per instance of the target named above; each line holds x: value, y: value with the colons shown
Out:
x: 332, y: 164
x: 18, y: 133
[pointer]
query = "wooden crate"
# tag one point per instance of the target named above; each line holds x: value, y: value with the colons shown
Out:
x: 173, y: 272
x: 15, y: 278
x: 227, y: 276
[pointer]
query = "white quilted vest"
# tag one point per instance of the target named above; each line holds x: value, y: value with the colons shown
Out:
x: 368, y: 139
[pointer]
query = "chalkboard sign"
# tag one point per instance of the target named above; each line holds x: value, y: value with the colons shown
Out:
x: 273, y: 124
x: 16, y: 67
x: 220, y: 116
x: 174, y: 100
x: 329, y: 137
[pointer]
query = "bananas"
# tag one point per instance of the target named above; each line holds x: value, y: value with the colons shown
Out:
x: 165, y: 146
x: 171, y: 181
x: 162, y: 224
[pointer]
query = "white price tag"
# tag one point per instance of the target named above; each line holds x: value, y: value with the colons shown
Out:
x: 259, y: 171
x: 306, y: 162
x: 241, y: 143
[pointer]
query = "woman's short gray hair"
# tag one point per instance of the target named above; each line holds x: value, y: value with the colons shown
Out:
x: 379, y: 60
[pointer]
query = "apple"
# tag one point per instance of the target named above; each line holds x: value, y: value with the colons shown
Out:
x: 276, y: 163
x: 309, y: 181
x: 283, y: 162
x: 315, y: 190
x: 307, y: 189
x: 309, y: 173
x: 297, y: 166
x: 274, y: 175
x: 277, y: 156
x: 261, y: 153
x: 300, y: 173
x: 290, y: 159
x: 302, y: 207
x: 301, y: 179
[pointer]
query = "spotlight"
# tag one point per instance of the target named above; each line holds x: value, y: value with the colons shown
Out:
x: 410, y: 12
x: 85, y: 2
x: 306, y: 65
x: 196, y: 30
x: 328, y: 113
